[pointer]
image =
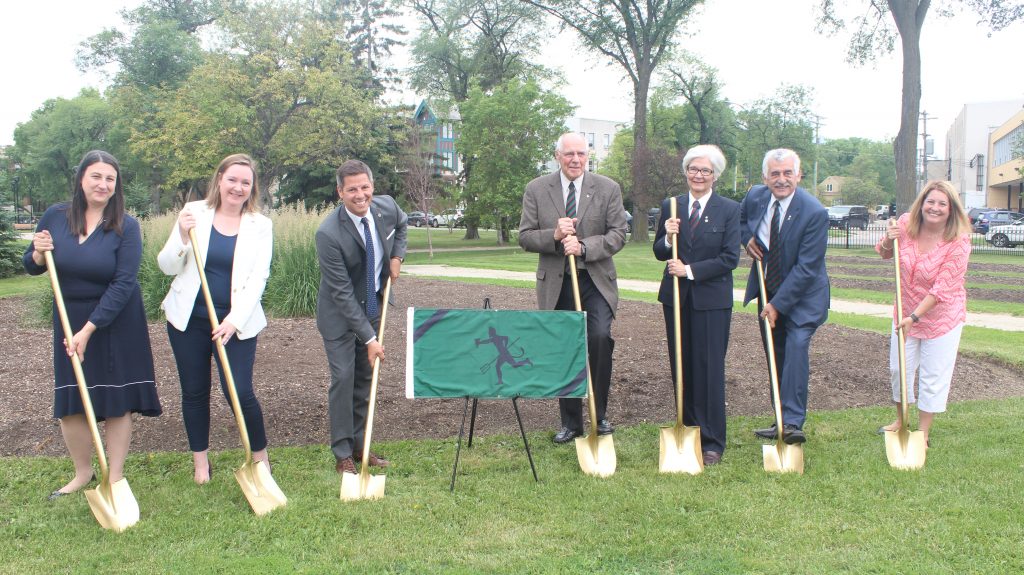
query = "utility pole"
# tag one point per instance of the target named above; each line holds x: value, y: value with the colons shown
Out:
x: 817, y: 126
x: 924, y: 147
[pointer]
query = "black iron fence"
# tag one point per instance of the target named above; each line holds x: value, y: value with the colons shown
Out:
x: 867, y: 238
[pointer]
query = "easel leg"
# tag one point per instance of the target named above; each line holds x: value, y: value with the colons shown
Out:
x: 472, y: 423
x: 458, y: 446
x: 526, y: 444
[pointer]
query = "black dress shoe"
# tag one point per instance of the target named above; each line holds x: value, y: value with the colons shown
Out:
x: 712, y: 458
x: 565, y: 435
x: 766, y: 433
x: 792, y: 435
x: 604, y: 427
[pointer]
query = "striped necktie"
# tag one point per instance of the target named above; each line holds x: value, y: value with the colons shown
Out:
x: 773, y: 261
x: 371, y: 272
x: 570, y: 201
x: 694, y: 218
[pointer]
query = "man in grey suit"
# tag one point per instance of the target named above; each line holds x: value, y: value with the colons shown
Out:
x: 578, y: 213
x: 359, y: 246
x: 787, y: 228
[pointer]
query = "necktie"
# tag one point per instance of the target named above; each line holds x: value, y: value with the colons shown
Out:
x: 694, y: 218
x: 773, y: 273
x: 371, y: 268
x: 570, y: 201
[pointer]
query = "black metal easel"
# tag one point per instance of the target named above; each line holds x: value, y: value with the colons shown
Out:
x: 472, y: 426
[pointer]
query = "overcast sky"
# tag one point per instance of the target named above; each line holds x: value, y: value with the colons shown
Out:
x: 755, y: 45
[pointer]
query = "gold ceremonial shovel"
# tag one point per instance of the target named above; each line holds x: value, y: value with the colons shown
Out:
x: 680, y: 444
x: 113, y: 505
x: 905, y: 449
x: 364, y: 485
x: 781, y: 457
x: 595, y: 452
x: 253, y: 477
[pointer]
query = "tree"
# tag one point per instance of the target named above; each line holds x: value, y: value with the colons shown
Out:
x: 510, y: 132
x: 50, y: 145
x: 873, y: 34
x: 665, y: 175
x: 697, y: 83
x: 462, y: 42
x: 636, y: 36
x: 151, y: 62
x: 862, y: 192
x: 283, y: 91
x: 781, y: 121
x: 866, y: 160
x: 466, y: 43
x: 421, y: 164
x: 372, y: 34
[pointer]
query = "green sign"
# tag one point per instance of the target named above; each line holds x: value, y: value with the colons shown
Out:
x: 496, y: 353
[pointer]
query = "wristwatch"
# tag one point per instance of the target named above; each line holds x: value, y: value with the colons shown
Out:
x: 913, y: 316
x: 583, y: 251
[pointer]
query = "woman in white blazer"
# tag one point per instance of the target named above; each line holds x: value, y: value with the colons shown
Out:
x: 236, y: 244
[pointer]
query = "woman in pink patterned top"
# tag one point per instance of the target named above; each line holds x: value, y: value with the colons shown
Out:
x: 935, y: 244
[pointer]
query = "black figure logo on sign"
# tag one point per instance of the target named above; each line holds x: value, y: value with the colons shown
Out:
x: 504, y: 355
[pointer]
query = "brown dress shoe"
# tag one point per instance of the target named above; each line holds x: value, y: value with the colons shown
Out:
x: 346, y: 465
x: 712, y: 458
x: 375, y: 460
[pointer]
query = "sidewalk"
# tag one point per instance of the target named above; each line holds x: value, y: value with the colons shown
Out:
x: 988, y: 320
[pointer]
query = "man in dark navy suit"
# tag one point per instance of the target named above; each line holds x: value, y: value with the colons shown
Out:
x: 708, y: 233
x: 787, y: 229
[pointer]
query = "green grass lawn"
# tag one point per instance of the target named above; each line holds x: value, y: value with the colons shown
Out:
x: 636, y: 261
x: 22, y: 284
x: 849, y: 513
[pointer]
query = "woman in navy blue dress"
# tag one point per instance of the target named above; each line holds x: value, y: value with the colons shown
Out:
x: 96, y: 250
x: 236, y: 243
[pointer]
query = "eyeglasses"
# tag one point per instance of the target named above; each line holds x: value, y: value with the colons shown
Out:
x: 693, y: 171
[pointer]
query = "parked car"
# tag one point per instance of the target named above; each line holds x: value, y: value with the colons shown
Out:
x: 881, y: 212
x: 629, y: 222
x: 846, y: 217
x: 1007, y: 236
x: 419, y: 219
x: 995, y: 218
x: 653, y: 215
x: 451, y: 218
x: 973, y: 214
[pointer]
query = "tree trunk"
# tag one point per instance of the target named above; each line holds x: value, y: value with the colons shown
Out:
x: 640, y: 155
x: 909, y: 18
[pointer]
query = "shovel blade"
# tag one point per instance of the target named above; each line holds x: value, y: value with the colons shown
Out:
x: 356, y: 486
x: 259, y: 487
x: 114, y: 505
x: 596, y: 454
x: 905, y: 449
x: 783, y: 458
x: 681, y: 450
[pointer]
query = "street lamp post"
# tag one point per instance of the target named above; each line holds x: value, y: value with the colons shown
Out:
x: 14, y: 188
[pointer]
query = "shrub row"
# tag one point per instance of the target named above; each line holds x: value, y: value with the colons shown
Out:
x: 294, y: 271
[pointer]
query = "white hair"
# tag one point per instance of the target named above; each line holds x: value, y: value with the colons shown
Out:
x: 558, y: 144
x: 709, y: 151
x: 780, y: 155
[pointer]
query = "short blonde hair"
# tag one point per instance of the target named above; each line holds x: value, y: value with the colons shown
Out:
x: 213, y: 190
x: 957, y: 224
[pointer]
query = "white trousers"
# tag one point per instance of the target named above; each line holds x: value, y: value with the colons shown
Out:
x: 932, y: 362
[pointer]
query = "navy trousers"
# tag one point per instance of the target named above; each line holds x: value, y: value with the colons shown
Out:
x: 792, y: 360
x: 192, y: 351
x: 705, y: 341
